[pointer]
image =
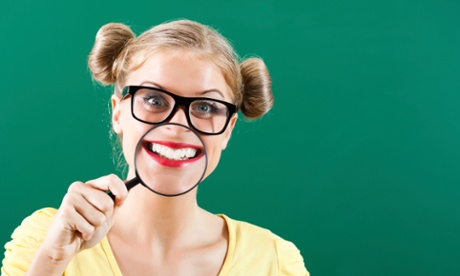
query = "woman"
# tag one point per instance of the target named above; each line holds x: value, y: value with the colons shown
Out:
x: 145, y: 233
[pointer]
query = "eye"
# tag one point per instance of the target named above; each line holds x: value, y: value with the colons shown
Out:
x: 208, y: 109
x: 153, y: 101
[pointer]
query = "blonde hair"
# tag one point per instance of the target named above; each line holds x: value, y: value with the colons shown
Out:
x: 117, y: 52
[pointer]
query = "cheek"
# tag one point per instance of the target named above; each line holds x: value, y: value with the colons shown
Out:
x: 128, y: 150
x: 132, y: 131
x: 214, y: 151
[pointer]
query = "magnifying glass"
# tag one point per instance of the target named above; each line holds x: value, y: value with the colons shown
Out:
x: 170, y: 160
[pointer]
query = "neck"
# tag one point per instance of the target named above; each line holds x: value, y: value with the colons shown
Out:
x: 154, y: 218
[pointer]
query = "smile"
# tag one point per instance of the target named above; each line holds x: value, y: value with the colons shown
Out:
x: 172, y: 154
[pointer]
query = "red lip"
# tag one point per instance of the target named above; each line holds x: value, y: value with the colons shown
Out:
x: 173, y: 145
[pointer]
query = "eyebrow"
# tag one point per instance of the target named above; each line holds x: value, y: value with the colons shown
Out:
x: 201, y: 93
x: 213, y: 91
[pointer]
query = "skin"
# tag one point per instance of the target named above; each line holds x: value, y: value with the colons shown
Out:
x: 149, y: 234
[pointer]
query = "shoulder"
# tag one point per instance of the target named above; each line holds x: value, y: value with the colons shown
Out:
x: 243, y: 231
x: 39, y: 219
x: 26, y: 240
x: 36, y: 225
x: 249, y: 243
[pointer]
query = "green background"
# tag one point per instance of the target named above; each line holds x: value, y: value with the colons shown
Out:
x: 357, y: 163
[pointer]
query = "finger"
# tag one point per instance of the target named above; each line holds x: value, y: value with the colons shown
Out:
x: 83, y: 226
x: 90, y: 212
x: 113, y: 184
x: 96, y: 198
x: 71, y: 220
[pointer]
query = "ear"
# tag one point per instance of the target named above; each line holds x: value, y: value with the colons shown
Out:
x: 228, y: 132
x: 116, y: 111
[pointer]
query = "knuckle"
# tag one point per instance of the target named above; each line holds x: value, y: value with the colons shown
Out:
x: 106, y: 206
x: 87, y: 230
x: 75, y: 187
x: 67, y: 200
x: 63, y: 219
x: 112, y: 178
x: 100, y: 220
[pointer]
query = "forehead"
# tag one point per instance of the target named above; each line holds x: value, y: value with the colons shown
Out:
x: 180, y: 72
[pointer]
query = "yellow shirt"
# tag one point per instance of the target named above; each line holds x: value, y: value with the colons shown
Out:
x: 251, y: 251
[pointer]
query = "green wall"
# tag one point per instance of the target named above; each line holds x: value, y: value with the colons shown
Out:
x: 357, y: 163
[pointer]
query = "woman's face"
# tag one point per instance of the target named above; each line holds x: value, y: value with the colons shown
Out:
x: 183, y: 74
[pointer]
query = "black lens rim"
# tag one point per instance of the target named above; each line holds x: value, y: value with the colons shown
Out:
x: 139, y: 144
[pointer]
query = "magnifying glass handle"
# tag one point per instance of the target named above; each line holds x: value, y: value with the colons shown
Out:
x: 129, y: 184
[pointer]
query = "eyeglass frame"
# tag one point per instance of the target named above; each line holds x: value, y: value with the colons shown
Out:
x: 178, y: 101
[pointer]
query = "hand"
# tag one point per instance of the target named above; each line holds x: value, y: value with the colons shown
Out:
x: 84, y: 217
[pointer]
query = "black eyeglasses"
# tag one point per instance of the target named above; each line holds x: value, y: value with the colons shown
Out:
x: 155, y: 106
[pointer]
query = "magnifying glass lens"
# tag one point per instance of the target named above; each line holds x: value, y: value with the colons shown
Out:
x: 170, y: 159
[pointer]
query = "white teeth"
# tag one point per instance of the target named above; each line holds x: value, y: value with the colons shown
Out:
x: 180, y: 154
x: 162, y: 150
x: 177, y: 154
x: 190, y: 152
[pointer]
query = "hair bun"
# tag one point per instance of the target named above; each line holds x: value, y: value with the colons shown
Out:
x: 257, y: 88
x: 111, y: 40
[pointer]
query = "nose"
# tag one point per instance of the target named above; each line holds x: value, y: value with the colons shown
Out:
x: 179, y: 117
